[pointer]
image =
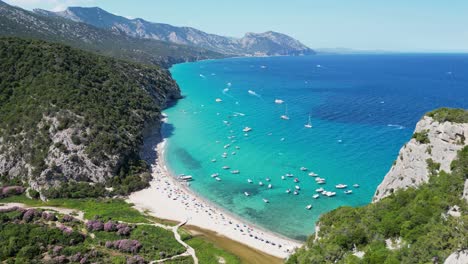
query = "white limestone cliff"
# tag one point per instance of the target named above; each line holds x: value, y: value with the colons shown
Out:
x: 443, y: 141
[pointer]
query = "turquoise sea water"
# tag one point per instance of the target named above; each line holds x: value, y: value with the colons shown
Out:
x: 363, y: 109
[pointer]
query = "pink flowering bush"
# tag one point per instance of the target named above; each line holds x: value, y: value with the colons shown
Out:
x: 125, y: 245
x: 94, y: 225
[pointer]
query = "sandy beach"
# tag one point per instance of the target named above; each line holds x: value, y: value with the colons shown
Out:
x: 170, y: 199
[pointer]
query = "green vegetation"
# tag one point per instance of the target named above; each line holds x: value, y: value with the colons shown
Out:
x: 50, y: 92
x: 449, y: 115
x: 106, y: 208
x: 422, y: 137
x: 25, y: 235
x: 417, y: 216
x: 207, y: 252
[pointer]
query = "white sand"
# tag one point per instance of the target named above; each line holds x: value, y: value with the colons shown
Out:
x: 170, y: 199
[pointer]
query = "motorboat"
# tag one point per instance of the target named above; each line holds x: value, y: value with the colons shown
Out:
x: 341, y: 186
x: 308, y: 207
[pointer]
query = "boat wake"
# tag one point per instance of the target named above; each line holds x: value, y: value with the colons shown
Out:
x: 396, y: 126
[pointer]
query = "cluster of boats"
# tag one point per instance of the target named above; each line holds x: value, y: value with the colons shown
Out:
x: 296, y: 190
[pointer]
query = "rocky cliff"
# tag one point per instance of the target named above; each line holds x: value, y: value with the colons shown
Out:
x: 68, y: 116
x: 434, y: 146
x: 252, y: 44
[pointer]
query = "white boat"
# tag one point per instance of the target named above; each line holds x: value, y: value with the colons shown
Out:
x: 319, y: 190
x: 309, y: 124
x: 247, y: 129
x: 296, y: 192
x: 252, y: 92
x: 225, y: 167
x: 278, y: 101
x: 270, y: 186
x: 303, y: 169
x: 218, y: 178
x: 288, y: 191
x: 348, y: 191
x: 313, y: 174
x: 356, y: 185
x: 246, y: 194
x: 233, y: 153
x: 266, y: 200
x: 282, y: 177
x: 237, y: 147
x: 289, y: 175
x: 341, y: 186
x: 319, y: 179
x: 249, y: 181
x: 227, y: 146
x: 308, y: 207
x: 297, y: 187
x: 267, y: 179
x: 213, y: 160
x: 296, y: 180
x: 315, y: 196
x: 186, y: 178
x: 235, y: 172
x: 218, y: 100
x: 329, y: 194
x: 285, y: 116
x: 321, y: 182
x: 260, y: 183
x: 214, y: 175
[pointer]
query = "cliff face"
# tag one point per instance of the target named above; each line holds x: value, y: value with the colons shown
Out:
x: 433, y: 147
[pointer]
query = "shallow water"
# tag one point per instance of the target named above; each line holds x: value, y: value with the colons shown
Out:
x: 363, y: 109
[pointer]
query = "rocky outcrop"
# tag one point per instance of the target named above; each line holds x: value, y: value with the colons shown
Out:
x: 459, y: 257
x: 433, y: 147
x: 252, y: 44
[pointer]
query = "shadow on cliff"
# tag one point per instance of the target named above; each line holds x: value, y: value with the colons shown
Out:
x: 153, y: 136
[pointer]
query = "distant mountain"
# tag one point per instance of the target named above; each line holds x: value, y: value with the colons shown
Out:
x: 17, y: 22
x: 268, y: 43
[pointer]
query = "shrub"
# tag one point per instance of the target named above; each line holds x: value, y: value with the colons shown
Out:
x: 422, y: 137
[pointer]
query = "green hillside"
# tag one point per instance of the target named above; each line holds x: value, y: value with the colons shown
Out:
x: 70, y: 116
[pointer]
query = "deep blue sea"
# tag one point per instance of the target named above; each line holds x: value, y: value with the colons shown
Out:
x: 363, y: 108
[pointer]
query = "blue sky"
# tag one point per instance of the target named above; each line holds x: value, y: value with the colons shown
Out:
x: 396, y: 25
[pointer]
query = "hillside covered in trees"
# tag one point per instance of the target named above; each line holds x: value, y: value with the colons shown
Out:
x: 73, y: 120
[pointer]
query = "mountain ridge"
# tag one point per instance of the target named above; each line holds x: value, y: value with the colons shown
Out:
x: 269, y: 43
x: 17, y: 22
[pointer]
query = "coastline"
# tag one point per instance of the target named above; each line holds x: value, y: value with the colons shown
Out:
x: 170, y: 199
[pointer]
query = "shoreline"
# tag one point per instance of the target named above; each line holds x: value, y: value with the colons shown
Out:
x: 170, y: 199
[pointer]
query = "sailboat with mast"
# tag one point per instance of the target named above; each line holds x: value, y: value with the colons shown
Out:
x: 285, y: 116
x: 309, y: 123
